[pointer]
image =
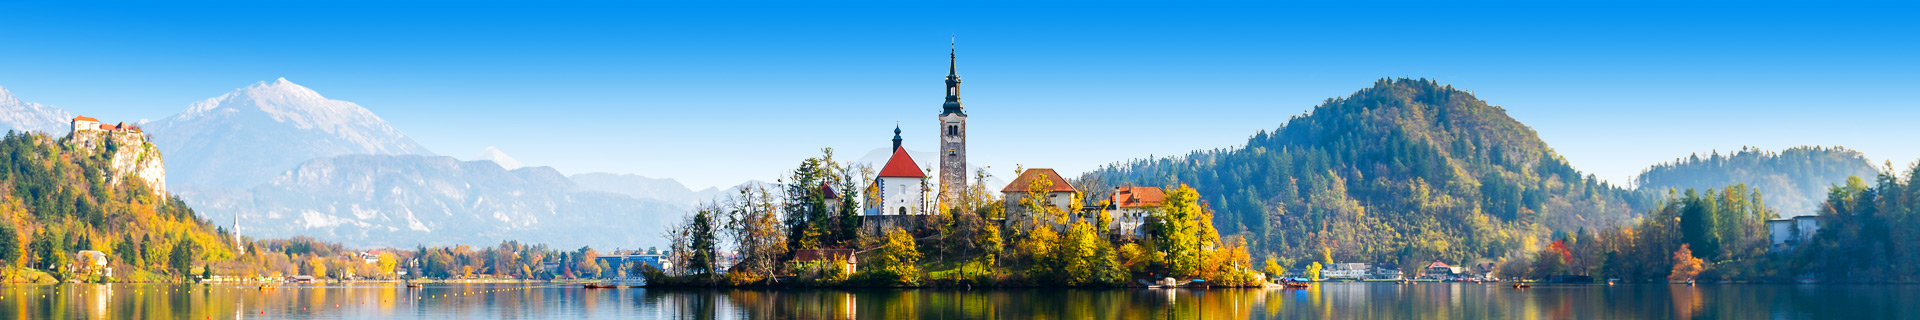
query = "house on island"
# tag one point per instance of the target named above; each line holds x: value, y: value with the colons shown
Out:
x: 1058, y: 192
x: 1131, y: 206
x: 1786, y: 234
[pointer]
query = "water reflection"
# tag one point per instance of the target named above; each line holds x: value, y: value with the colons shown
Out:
x: 1334, y: 301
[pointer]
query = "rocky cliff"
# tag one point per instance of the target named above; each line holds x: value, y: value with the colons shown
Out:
x: 129, y: 156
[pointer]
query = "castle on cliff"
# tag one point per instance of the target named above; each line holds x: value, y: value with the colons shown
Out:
x: 131, y: 154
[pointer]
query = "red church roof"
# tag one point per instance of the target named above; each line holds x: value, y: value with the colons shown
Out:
x: 86, y: 118
x: 901, y: 165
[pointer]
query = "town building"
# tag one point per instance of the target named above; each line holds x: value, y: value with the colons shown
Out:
x: 1789, y: 233
x: 1441, y: 271
x: 1386, y: 271
x: 1347, y: 271
x: 1059, y: 193
x: 656, y: 261
x: 1131, y: 206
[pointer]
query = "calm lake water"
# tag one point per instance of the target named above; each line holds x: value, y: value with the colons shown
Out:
x: 1330, y: 300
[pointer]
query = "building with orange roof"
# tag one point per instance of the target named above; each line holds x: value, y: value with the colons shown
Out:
x: 1057, y: 190
x: 1131, y: 206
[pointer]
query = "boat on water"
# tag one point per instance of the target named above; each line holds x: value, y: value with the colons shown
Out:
x: 600, y: 286
x: 1519, y: 285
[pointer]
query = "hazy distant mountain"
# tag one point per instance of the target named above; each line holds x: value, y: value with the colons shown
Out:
x: 501, y: 158
x: 404, y: 200
x: 245, y: 137
x: 1793, y: 181
x: 22, y: 116
x: 662, y: 189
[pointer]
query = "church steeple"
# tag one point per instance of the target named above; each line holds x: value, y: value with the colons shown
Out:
x: 953, y: 137
x: 896, y: 136
x: 953, y: 82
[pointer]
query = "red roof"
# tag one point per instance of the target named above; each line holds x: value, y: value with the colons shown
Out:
x: 1437, y: 264
x: 1026, y: 178
x: 107, y: 127
x: 1135, y: 197
x: 901, y: 165
x: 85, y: 118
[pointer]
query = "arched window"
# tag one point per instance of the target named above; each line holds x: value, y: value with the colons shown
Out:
x: 953, y: 130
x: 903, y: 211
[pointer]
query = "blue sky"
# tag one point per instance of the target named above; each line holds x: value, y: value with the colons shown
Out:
x: 714, y: 94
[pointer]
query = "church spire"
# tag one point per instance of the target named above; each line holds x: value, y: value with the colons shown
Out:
x: 896, y: 136
x: 953, y: 82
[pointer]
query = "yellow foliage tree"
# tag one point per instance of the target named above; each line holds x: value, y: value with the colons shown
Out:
x: 317, y: 267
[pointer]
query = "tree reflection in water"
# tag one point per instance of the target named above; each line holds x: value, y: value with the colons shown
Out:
x: 1322, y: 301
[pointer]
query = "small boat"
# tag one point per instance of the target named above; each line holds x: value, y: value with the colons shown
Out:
x: 266, y: 287
x: 415, y: 285
x: 600, y: 286
x: 1517, y: 285
x: 1295, y: 285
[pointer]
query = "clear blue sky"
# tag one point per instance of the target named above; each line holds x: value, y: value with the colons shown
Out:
x: 715, y: 94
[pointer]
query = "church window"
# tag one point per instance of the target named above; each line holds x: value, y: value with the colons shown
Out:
x: 903, y: 211
x: 952, y: 152
x: 953, y: 130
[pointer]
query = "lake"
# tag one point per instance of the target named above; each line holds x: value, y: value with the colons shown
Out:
x: 1327, y: 300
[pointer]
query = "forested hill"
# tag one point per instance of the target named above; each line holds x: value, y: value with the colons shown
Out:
x: 57, y: 198
x: 1405, y: 171
x: 1794, y: 181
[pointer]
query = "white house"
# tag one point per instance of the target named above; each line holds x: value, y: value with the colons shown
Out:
x: 1349, y: 270
x: 1789, y: 233
x: 1131, y: 206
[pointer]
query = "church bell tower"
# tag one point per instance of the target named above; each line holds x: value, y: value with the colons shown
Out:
x: 953, y: 138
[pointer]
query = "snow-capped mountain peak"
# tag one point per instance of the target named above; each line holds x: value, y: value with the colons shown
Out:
x: 26, y: 116
x: 494, y: 154
x: 246, y: 136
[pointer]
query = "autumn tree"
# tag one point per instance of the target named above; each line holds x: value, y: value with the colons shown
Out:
x: 895, y: 263
x: 753, y: 223
x: 1685, y: 265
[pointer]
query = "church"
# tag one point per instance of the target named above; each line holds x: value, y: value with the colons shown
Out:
x: 902, y: 189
